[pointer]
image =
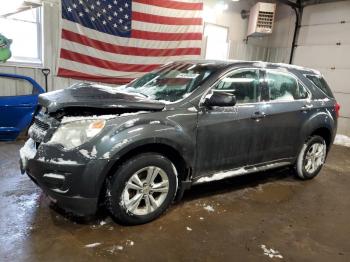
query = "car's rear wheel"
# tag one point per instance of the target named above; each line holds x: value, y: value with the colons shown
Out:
x: 141, y: 189
x: 311, y: 157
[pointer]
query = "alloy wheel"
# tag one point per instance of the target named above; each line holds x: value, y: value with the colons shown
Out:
x: 314, y: 157
x: 145, y: 191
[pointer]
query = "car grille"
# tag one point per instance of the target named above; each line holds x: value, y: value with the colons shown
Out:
x: 40, y: 124
x: 40, y: 127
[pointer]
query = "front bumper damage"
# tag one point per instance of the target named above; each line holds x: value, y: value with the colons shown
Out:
x: 69, y: 179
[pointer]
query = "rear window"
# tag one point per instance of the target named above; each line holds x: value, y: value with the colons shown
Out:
x: 321, y: 84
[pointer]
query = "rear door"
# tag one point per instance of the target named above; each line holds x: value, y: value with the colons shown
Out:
x: 225, y: 135
x: 18, y: 102
x: 287, y: 108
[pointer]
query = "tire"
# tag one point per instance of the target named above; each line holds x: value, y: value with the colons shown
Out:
x: 141, y: 189
x: 311, y: 158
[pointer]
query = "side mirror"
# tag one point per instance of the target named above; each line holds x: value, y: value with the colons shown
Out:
x: 221, y: 99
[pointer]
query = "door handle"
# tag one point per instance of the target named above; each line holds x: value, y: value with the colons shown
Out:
x: 258, y: 115
x: 306, y: 107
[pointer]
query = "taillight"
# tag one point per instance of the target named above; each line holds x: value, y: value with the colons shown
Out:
x: 337, y: 109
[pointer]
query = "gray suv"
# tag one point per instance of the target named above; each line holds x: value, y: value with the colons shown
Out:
x: 136, y: 148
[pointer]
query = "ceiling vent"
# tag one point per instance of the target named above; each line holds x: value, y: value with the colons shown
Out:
x: 261, y: 19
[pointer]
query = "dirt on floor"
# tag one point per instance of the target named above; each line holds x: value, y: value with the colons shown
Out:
x: 258, y: 217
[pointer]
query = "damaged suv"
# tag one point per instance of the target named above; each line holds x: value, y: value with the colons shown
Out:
x: 137, y: 147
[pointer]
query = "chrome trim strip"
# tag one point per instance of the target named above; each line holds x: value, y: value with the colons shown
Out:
x: 54, y: 176
x: 238, y: 172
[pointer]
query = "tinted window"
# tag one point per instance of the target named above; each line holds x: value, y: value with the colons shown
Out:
x: 321, y: 84
x: 243, y: 84
x: 284, y: 87
x: 302, y: 93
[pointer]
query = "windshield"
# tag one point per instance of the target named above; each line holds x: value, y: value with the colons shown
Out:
x: 172, y: 82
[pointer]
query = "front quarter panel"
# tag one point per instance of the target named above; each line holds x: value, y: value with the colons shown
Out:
x: 174, y: 128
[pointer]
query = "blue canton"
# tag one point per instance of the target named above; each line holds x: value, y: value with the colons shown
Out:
x: 107, y: 16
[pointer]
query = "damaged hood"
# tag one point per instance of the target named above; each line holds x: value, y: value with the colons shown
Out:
x: 96, y: 96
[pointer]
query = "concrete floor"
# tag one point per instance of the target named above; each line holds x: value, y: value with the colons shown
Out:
x: 227, y: 220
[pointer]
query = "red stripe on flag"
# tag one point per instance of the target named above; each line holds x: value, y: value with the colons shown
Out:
x: 172, y: 4
x: 124, y: 50
x: 78, y: 75
x: 165, y: 36
x: 90, y: 60
x: 157, y: 19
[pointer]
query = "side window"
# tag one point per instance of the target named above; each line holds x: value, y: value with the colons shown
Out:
x: 284, y: 87
x: 15, y: 87
x: 243, y: 84
x: 302, y: 93
x: 321, y: 84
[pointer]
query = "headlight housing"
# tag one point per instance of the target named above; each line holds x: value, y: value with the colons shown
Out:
x: 76, y: 133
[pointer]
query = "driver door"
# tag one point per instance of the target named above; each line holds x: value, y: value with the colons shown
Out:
x: 226, y: 135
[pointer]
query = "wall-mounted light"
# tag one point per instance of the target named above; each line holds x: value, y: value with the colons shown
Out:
x: 221, y: 6
x: 208, y: 15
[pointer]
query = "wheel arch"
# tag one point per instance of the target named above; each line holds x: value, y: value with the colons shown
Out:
x: 321, y: 123
x: 325, y: 133
x: 164, y: 149
x: 183, y: 167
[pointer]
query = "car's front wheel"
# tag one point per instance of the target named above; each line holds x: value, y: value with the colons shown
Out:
x: 141, y: 189
x: 311, y: 157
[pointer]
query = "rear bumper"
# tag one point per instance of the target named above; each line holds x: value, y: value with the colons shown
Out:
x: 74, y: 187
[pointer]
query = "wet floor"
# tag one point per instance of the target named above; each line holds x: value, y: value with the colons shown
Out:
x: 258, y: 217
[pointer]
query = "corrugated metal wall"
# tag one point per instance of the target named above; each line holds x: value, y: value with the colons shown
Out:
x: 242, y: 51
x: 54, y: 83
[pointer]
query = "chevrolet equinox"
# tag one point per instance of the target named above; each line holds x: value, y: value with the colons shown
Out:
x: 136, y: 148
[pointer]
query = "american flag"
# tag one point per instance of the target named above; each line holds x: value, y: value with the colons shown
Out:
x: 115, y: 41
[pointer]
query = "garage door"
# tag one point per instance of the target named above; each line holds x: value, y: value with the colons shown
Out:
x: 324, y: 44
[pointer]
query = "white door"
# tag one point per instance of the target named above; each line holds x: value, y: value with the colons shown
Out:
x: 324, y: 44
x: 217, y: 45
